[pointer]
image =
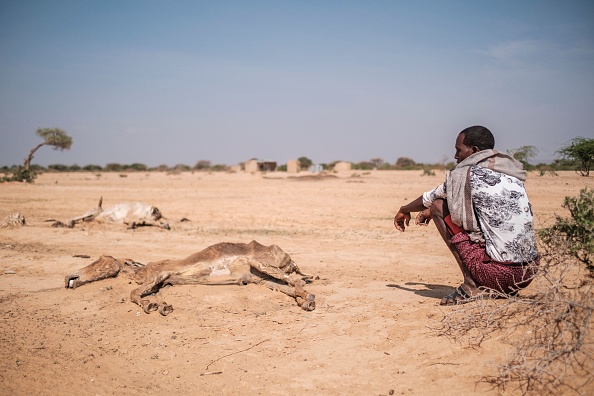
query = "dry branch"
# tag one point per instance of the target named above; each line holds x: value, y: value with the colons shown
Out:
x: 236, y: 352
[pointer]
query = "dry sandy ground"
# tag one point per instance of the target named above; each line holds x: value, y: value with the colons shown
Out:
x: 372, y: 333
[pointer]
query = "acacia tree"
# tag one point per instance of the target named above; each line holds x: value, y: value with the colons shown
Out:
x: 304, y: 162
x: 202, y: 165
x: 581, y: 150
x: 55, y: 137
x: 405, y: 162
x: 377, y: 162
x: 524, y: 154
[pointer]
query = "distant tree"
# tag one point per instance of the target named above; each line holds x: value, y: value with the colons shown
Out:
x: 524, y: 154
x: 377, y: 162
x: 202, y: 165
x: 54, y: 137
x: 113, y: 167
x: 363, y: 166
x: 181, y: 168
x: 92, y: 168
x: 580, y: 150
x: 74, y: 168
x: 37, y: 168
x: 138, y: 167
x: 162, y: 168
x: 305, y: 162
x: 58, y: 167
x: 219, y: 168
x: 405, y: 162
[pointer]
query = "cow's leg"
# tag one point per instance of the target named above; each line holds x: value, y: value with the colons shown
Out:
x: 303, y: 298
x: 105, y: 267
x: 151, y: 286
x: 89, y: 216
x: 83, y: 218
x: 270, y: 270
x: 147, y: 223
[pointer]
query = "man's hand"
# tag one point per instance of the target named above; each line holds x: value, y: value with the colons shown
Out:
x: 423, y: 217
x: 401, y: 220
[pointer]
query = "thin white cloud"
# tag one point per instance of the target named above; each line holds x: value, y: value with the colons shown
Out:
x: 519, y: 52
x: 515, y: 52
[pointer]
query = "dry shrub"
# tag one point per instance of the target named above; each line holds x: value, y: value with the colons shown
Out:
x: 547, y: 327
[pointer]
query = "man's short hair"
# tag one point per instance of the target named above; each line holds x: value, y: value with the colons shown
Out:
x: 478, y: 136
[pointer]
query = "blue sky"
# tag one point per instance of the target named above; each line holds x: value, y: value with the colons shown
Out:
x: 174, y: 82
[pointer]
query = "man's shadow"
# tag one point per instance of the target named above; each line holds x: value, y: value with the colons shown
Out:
x: 430, y: 291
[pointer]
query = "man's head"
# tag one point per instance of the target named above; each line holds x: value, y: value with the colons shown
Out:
x: 472, y: 140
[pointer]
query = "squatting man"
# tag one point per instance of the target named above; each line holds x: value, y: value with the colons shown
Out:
x: 483, y: 215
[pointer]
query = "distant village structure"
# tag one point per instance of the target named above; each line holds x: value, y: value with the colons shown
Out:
x: 342, y: 166
x: 315, y: 168
x: 255, y: 165
x: 293, y: 166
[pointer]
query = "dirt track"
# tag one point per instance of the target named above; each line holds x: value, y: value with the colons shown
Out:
x: 377, y: 296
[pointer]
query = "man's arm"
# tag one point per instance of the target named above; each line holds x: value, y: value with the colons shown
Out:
x: 402, y: 218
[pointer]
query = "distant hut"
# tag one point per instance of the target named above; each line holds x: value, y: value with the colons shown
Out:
x: 267, y: 166
x: 251, y: 166
x: 255, y: 165
x: 342, y: 167
x: 293, y: 166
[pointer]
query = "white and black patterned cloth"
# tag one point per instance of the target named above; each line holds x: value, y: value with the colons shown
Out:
x: 503, y: 212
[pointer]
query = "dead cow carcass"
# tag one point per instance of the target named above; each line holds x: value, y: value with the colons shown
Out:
x: 133, y: 214
x: 221, y: 264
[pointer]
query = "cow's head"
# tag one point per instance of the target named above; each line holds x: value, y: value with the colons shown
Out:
x: 156, y: 213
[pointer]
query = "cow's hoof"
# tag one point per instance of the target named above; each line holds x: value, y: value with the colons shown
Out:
x: 308, y: 305
x: 149, y: 307
x: 165, y: 309
x: 244, y: 279
x: 71, y: 281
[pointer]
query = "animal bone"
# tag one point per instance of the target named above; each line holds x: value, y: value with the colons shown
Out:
x: 13, y: 220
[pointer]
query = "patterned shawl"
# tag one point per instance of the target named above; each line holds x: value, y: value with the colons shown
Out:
x: 458, y: 186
